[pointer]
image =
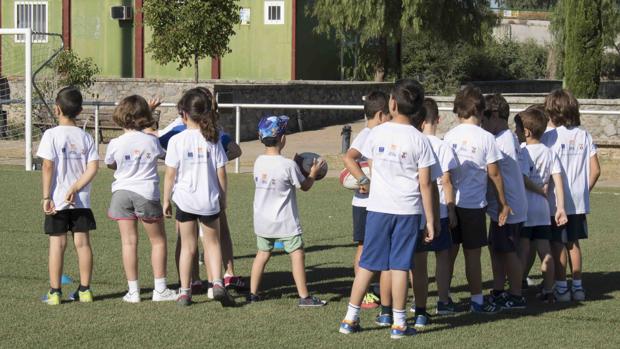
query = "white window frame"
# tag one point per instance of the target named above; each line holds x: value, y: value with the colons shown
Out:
x: 269, y: 4
x: 37, y: 39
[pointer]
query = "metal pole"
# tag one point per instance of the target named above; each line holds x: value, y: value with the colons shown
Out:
x: 237, y: 134
x: 28, y: 81
x: 97, y: 127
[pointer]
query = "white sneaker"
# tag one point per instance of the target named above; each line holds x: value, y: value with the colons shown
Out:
x: 210, y: 293
x: 132, y: 297
x: 165, y: 295
x: 579, y: 294
x: 562, y: 296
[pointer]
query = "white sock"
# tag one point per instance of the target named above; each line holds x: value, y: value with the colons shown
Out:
x: 477, y: 298
x: 226, y: 275
x: 218, y: 282
x: 133, y: 286
x: 400, y: 317
x: 160, y: 284
x: 353, y: 313
x: 185, y: 291
x: 561, y: 285
x: 576, y: 284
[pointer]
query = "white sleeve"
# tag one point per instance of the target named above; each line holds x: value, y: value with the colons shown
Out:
x: 358, y: 142
x: 436, y: 170
x: 172, y: 156
x: 446, y: 158
x: 493, y: 153
x: 524, y: 161
x: 427, y: 156
x: 556, y: 165
x: 93, y: 155
x: 590, y: 143
x: 220, y: 155
x: 367, y: 149
x: 296, y: 176
x: 46, y: 148
x: 110, y: 152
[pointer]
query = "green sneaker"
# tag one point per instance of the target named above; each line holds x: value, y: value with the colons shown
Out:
x: 82, y: 296
x: 51, y: 298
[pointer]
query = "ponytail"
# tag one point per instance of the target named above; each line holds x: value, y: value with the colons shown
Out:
x: 208, y: 126
x: 200, y: 106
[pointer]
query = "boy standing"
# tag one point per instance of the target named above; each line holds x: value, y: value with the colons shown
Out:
x: 504, y: 240
x: 276, y: 218
x: 376, y: 112
x: 69, y: 165
x: 478, y: 156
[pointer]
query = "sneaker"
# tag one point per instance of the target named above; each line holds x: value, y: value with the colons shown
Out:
x: 445, y: 308
x: 51, y: 298
x: 220, y: 294
x: 184, y: 300
x: 530, y: 282
x: 252, y: 298
x: 421, y: 320
x: 164, y: 296
x: 132, y: 297
x: 484, y: 308
x: 512, y: 302
x: 579, y: 294
x: 412, y: 309
x: 496, y: 296
x: 562, y: 296
x: 348, y: 327
x: 82, y: 296
x: 197, y: 287
x: 370, y: 301
x: 210, y: 293
x: 546, y: 297
x: 311, y: 301
x: 398, y: 332
x: 384, y: 320
x: 235, y: 283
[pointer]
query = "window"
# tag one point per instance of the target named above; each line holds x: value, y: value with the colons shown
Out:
x: 274, y: 12
x: 33, y: 15
x: 245, y: 14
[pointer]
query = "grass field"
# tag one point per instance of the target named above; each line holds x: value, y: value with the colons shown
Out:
x: 325, y: 214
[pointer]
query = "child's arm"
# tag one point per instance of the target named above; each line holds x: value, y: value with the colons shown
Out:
x: 223, y: 183
x: 531, y: 186
x: 595, y: 171
x: 350, y: 163
x: 87, y: 177
x: 448, y: 191
x: 424, y: 176
x: 560, y: 214
x: 309, y: 181
x: 48, y: 171
x: 496, y: 177
x: 169, y: 176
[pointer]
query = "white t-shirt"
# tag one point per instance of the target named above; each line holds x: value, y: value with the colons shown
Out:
x: 397, y: 152
x: 512, y: 176
x: 447, y: 162
x: 360, y: 199
x: 196, y: 189
x: 574, y: 147
x: 71, y: 149
x: 540, y: 163
x: 275, y: 201
x: 135, y: 154
x: 474, y: 149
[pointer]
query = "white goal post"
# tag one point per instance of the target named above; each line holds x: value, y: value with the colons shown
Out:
x: 27, y: 33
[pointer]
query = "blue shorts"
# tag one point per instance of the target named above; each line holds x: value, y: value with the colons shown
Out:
x: 359, y: 223
x: 390, y: 241
x: 440, y: 243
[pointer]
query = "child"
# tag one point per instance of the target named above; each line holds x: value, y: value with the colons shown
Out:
x: 376, y: 112
x: 477, y: 154
x: 504, y: 240
x: 400, y: 159
x: 196, y: 181
x: 581, y: 170
x: 442, y: 241
x: 541, y: 164
x: 70, y: 163
x: 275, y: 208
x: 135, y: 195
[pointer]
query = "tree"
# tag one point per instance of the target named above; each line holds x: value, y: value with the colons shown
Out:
x: 186, y: 31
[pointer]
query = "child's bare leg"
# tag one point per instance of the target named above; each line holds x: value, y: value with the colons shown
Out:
x: 58, y: 244
x: 299, y: 272
x: 358, y: 255
x: 454, y: 252
x: 399, y: 289
x: 547, y: 266
x: 574, y: 251
x: 532, y: 258
x: 188, y: 251
x: 258, y: 268
x: 420, y: 279
x: 227, y: 245
x: 524, y: 255
x: 159, y: 253
x: 212, y: 247
x: 442, y: 275
x: 499, y: 272
x: 81, y: 240
x: 473, y: 270
x: 177, y: 249
x: 360, y: 285
x: 129, y: 248
x: 558, y: 250
x: 514, y: 271
x: 385, y: 288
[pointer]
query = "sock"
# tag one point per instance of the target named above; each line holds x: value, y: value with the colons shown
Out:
x: 353, y: 313
x: 477, y: 298
x: 420, y: 310
x: 561, y: 286
x: 185, y: 291
x: 55, y: 290
x: 218, y: 282
x: 400, y: 317
x: 160, y: 284
x: 386, y: 310
x: 576, y: 284
x: 133, y: 286
x: 226, y: 275
x: 83, y: 288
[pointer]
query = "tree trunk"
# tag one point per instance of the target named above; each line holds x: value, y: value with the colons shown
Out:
x: 196, y: 68
x: 381, y: 66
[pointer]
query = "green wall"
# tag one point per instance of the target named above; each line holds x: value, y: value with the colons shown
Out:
x: 318, y: 58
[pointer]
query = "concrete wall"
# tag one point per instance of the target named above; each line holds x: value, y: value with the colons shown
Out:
x: 522, y: 30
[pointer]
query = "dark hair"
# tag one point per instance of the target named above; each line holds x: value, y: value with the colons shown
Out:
x: 374, y: 102
x: 270, y: 141
x: 408, y: 95
x: 200, y: 107
x: 496, y: 106
x: 534, y: 120
x: 429, y: 113
x: 562, y: 108
x: 69, y: 100
x: 133, y: 113
x: 468, y: 102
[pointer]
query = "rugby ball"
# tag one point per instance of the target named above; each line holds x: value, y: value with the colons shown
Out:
x: 304, y: 161
x: 348, y: 181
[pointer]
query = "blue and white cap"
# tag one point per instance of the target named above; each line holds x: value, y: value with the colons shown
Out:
x: 272, y: 126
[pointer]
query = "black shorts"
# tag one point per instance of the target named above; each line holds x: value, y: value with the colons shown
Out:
x: 505, y: 238
x: 538, y: 232
x: 79, y: 220
x: 359, y: 223
x: 183, y: 217
x: 575, y: 229
x: 471, y: 230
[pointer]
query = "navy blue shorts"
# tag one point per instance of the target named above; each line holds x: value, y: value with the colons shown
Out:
x: 439, y: 243
x: 575, y: 229
x: 359, y: 223
x: 538, y: 232
x: 390, y: 241
x: 504, y: 239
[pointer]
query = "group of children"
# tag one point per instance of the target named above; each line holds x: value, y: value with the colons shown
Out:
x: 427, y: 194
x: 423, y: 194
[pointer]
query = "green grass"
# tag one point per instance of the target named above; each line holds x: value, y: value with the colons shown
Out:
x: 325, y: 215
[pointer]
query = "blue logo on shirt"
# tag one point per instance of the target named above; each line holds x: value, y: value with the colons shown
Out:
x: 381, y: 149
x: 190, y: 154
x: 127, y: 157
x: 453, y: 146
x: 64, y: 150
